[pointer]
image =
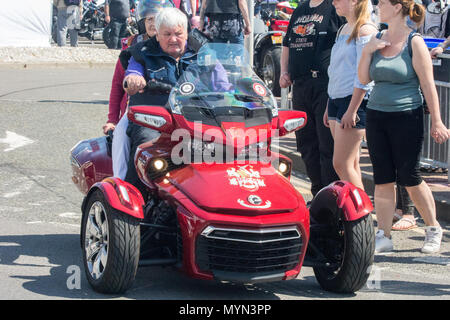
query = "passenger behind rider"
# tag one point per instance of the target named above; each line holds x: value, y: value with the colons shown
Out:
x: 118, y: 98
x: 162, y: 58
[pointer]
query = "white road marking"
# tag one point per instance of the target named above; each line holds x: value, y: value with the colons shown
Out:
x: 19, y: 188
x: 71, y: 215
x: 15, y: 141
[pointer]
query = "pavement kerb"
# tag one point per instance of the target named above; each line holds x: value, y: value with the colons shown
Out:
x: 442, y: 202
x: 46, y: 65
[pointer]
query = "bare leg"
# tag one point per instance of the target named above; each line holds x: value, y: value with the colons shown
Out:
x: 423, y: 199
x: 385, y: 206
x: 346, y: 154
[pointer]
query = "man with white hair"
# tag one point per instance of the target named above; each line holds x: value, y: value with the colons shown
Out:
x: 162, y: 58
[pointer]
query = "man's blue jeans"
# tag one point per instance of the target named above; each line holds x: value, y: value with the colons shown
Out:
x: 118, y: 29
x: 239, y: 39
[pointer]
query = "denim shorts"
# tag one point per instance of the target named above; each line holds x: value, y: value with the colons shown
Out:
x: 337, y: 108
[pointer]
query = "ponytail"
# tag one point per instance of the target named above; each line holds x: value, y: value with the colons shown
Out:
x: 416, y: 13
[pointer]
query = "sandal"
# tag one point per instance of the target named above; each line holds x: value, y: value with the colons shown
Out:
x: 404, y: 224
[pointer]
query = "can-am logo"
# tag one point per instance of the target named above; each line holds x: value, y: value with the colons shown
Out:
x: 253, y: 199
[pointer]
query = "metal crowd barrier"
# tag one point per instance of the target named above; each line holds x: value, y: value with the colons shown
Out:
x: 433, y: 154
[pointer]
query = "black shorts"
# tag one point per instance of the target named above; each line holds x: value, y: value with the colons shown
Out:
x: 337, y: 108
x: 395, y: 142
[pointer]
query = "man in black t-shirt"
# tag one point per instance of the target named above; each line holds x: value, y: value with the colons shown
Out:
x: 117, y: 13
x: 304, y: 62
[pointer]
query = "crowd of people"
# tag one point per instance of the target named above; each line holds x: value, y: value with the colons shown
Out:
x: 351, y: 79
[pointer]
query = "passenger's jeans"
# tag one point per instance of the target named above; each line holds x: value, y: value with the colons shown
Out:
x: 67, y: 21
x: 121, y: 149
x: 314, y: 141
x: 138, y: 135
x: 118, y: 28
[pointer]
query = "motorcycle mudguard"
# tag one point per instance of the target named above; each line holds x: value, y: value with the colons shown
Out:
x: 340, y: 195
x: 120, y: 195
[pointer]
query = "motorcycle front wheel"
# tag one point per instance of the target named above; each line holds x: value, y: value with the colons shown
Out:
x: 350, y: 250
x: 110, y: 243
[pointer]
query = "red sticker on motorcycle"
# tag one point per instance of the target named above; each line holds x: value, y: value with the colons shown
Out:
x: 259, y: 89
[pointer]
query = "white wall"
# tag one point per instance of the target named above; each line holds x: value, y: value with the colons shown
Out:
x: 25, y: 23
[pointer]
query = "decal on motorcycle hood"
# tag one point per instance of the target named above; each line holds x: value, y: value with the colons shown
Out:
x: 246, y: 178
x: 187, y: 88
x: 254, y: 199
x: 266, y: 205
x: 259, y: 89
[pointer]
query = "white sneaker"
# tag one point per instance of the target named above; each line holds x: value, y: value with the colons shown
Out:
x: 382, y: 243
x: 433, y: 237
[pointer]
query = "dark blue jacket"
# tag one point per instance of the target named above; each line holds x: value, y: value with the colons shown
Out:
x: 160, y: 66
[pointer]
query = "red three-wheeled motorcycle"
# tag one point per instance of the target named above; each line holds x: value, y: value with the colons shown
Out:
x: 217, y: 202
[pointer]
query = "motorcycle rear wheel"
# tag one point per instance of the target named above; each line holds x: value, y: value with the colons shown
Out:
x: 271, y: 69
x: 111, y: 244
x: 357, y: 246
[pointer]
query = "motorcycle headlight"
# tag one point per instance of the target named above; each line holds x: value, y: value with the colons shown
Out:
x: 159, y: 164
x: 284, y: 168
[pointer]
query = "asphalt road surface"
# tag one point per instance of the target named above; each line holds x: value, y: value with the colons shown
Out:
x: 44, y: 112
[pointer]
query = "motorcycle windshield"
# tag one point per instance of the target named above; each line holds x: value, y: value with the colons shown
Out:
x: 221, y: 86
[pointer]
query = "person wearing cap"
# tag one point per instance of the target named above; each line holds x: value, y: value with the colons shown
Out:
x: 118, y: 99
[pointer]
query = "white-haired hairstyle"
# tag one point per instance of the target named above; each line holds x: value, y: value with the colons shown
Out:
x: 171, y: 17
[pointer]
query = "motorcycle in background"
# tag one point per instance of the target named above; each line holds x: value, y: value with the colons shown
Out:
x: 270, y: 26
x: 93, y: 20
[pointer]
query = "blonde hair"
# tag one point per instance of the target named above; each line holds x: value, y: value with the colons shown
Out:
x: 362, y: 15
x: 415, y: 11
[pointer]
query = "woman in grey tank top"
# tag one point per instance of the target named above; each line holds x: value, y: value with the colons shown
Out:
x: 394, y: 124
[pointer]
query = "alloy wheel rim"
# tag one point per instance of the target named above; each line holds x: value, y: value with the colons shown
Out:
x: 96, y: 240
x: 268, y: 71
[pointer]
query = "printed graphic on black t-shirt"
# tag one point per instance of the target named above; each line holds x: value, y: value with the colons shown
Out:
x: 310, y: 37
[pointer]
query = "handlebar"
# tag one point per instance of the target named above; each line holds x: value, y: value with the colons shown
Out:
x: 155, y: 86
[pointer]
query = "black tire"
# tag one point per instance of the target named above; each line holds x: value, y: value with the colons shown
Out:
x: 118, y: 239
x: 106, y: 35
x: 358, y: 246
x: 270, y: 65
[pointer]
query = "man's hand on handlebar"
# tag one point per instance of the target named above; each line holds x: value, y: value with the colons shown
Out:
x: 134, y: 84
